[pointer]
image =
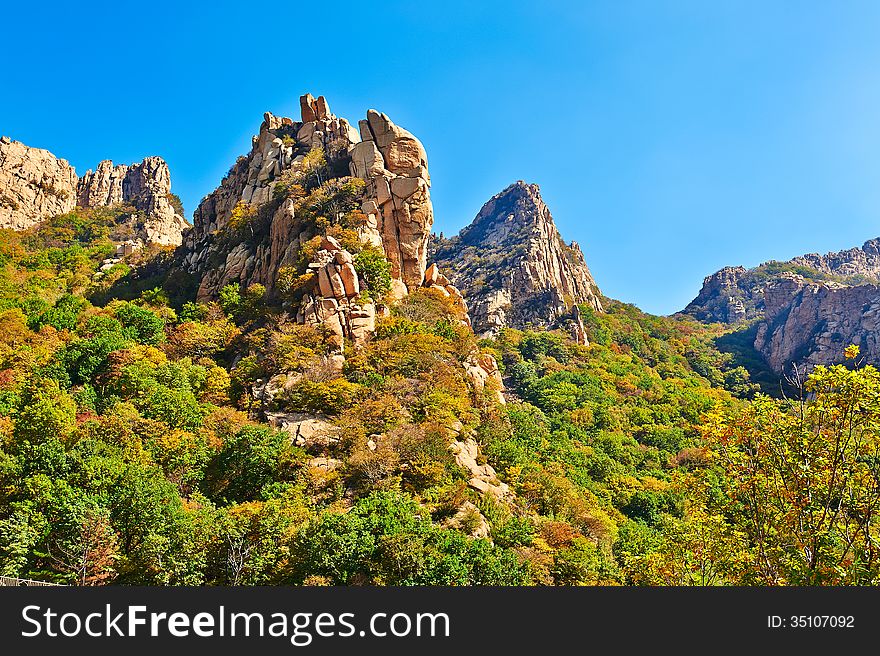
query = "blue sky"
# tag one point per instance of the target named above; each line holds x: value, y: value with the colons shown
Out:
x: 669, y: 138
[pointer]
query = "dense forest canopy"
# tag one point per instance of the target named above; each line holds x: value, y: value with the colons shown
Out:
x: 135, y: 446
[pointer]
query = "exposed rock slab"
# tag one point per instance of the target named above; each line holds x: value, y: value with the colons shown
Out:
x: 483, y: 478
x: 333, y: 301
x: 395, y: 166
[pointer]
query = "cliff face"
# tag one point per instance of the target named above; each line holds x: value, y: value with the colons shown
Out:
x: 512, y: 266
x: 728, y: 296
x: 808, y: 309
x: 735, y: 294
x: 395, y: 166
x: 147, y: 187
x: 810, y: 323
x: 395, y: 204
x: 34, y: 185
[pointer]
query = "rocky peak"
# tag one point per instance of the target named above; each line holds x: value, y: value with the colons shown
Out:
x: 147, y: 187
x: 513, y: 267
x: 807, y: 309
x: 854, y: 262
x: 734, y: 294
x: 34, y: 185
x: 396, y: 203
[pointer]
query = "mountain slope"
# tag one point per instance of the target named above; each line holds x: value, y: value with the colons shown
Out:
x: 512, y: 266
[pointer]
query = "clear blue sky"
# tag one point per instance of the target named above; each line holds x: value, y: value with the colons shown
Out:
x: 669, y: 138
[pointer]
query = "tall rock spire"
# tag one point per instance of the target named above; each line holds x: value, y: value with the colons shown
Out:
x: 395, y: 166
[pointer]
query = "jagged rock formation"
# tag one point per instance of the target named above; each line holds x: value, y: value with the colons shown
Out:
x: 862, y: 263
x: 395, y: 166
x: 396, y: 203
x: 333, y: 304
x: 810, y: 323
x: 147, y: 187
x: 34, y: 185
x: 441, y: 284
x: 280, y: 146
x: 728, y: 296
x: 512, y: 266
x: 808, y: 309
x: 736, y: 294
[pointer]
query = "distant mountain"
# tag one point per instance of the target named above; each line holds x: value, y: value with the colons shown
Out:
x: 808, y: 309
x: 512, y: 266
x: 35, y: 185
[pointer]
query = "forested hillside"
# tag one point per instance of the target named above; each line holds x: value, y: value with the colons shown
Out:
x: 293, y: 396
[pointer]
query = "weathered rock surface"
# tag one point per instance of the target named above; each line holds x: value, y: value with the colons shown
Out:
x: 442, y: 285
x: 305, y: 430
x: 736, y: 294
x: 34, y: 185
x: 728, y: 296
x: 807, y: 309
x: 395, y: 166
x: 861, y: 262
x: 483, y: 478
x: 482, y: 370
x: 333, y: 301
x: 147, y: 187
x: 396, y: 202
x: 512, y: 266
x: 808, y: 323
x: 468, y: 518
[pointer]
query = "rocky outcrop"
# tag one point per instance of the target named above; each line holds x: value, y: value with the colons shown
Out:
x: 861, y: 263
x: 469, y: 519
x: 808, y: 323
x: 512, y: 266
x: 396, y: 205
x: 281, y: 145
x: 306, y: 431
x: 482, y: 477
x: 147, y: 187
x: 736, y: 294
x: 728, y: 296
x: 438, y: 282
x: 482, y: 370
x: 806, y: 310
x: 395, y: 166
x: 333, y: 302
x: 34, y: 185
x: 576, y: 327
